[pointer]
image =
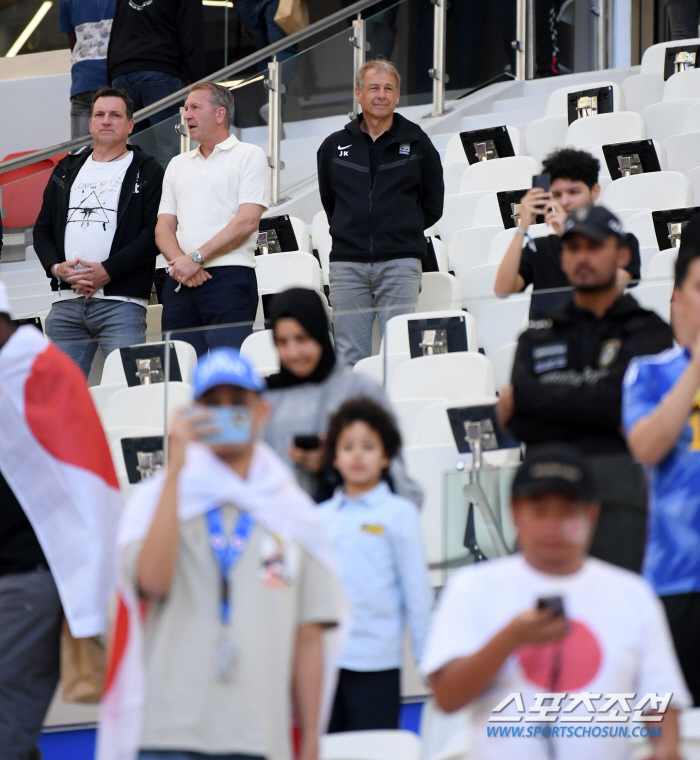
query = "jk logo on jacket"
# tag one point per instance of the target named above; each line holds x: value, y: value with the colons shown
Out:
x: 343, y: 150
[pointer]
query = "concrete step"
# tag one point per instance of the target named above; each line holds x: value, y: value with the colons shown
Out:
x: 519, y: 104
x: 512, y: 118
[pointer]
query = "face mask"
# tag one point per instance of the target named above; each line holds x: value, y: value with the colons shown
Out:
x: 234, y: 425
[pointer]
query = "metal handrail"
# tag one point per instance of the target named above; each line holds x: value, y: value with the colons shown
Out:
x: 220, y: 75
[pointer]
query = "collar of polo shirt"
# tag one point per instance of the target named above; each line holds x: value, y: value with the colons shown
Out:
x: 227, y: 144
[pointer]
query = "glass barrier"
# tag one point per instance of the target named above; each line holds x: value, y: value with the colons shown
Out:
x: 160, y: 140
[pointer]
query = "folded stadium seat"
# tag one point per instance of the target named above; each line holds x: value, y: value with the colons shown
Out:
x: 460, y: 375
x: 501, y: 323
x: 623, y: 214
x: 694, y: 177
x: 542, y: 136
x: 642, y: 90
x: 372, y: 366
x: 654, y: 190
x: 654, y: 58
x: 439, y: 290
x: 301, y: 232
x: 655, y: 296
x: 452, y: 172
x: 503, y: 364
x: 683, y: 151
x: 478, y: 180
x: 114, y: 438
x: 276, y: 272
x: 100, y: 394
x: 154, y: 318
x: 662, y: 266
x: 665, y: 118
x: 113, y: 371
x: 500, y: 243
x: 646, y: 254
x: 691, y: 118
x: 558, y: 101
x: 477, y: 288
x: 432, y: 425
x: 455, y: 150
x: 259, y: 347
x: 440, y: 254
x: 29, y: 306
x: 370, y: 745
x: 469, y: 248
x: 143, y: 406
x: 685, y: 84
x: 606, y: 128
x: 488, y: 213
x: 322, y: 241
x: 406, y: 412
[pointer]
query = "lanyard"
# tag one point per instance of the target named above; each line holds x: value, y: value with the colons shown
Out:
x: 227, y: 551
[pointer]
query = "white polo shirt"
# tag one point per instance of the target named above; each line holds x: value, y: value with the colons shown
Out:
x: 205, y: 194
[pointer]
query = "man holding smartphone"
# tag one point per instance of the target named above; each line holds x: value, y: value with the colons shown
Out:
x: 499, y: 636
x: 239, y: 573
x: 573, y: 184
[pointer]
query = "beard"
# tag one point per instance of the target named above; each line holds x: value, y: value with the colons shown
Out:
x: 597, y: 287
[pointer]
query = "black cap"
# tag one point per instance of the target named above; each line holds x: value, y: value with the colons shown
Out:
x: 594, y: 222
x: 554, y: 467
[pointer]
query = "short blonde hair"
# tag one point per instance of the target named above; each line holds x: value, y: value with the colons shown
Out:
x: 381, y: 64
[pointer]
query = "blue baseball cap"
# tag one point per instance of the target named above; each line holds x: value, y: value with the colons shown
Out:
x: 225, y: 366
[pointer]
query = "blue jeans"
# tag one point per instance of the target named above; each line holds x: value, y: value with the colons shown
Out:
x: 259, y: 17
x: 229, y: 298
x: 170, y: 754
x: 78, y: 325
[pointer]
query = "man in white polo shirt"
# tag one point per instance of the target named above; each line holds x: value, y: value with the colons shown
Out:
x: 212, y: 201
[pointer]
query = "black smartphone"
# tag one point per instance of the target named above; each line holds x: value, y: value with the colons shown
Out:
x: 555, y: 604
x: 543, y: 181
x: 307, y: 442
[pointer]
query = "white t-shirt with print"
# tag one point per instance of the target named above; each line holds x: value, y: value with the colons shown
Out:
x: 618, y: 642
x: 91, y: 222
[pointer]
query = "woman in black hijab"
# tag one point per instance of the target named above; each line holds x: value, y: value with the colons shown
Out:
x: 309, y: 388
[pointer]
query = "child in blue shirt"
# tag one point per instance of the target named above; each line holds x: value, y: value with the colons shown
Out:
x: 378, y: 540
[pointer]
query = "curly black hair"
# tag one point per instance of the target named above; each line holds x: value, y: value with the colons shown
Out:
x: 569, y: 163
x: 367, y: 410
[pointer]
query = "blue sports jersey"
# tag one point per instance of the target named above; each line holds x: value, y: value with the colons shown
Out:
x: 91, y: 22
x: 672, y: 558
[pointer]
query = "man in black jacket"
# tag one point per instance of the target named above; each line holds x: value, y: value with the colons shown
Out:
x: 380, y: 180
x: 95, y: 236
x: 568, y: 371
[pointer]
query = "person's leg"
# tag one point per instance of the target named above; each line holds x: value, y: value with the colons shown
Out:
x: 372, y: 700
x: 381, y: 28
x: 395, y: 288
x: 683, y: 17
x: 683, y: 614
x: 351, y: 299
x: 67, y: 327
x: 338, y: 719
x: 229, y: 298
x: 180, y: 313
x: 31, y: 615
x: 115, y: 323
x: 80, y: 112
x: 273, y: 33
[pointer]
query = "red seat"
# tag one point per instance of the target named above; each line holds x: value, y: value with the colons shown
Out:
x: 23, y: 189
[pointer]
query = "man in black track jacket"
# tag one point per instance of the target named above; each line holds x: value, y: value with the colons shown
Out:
x: 95, y: 236
x: 381, y: 185
x: 568, y: 371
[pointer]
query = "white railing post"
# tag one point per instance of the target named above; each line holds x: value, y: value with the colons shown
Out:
x: 360, y: 46
x: 276, y: 90
x: 437, y: 73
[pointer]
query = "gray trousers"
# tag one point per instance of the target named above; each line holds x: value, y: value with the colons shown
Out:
x: 359, y: 291
x: 80, y: 113
x: 30, y: 633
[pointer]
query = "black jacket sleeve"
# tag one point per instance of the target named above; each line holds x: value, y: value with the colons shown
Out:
x: 44, y: 233
x: 191, y: 31
x: 432, y: 196
x: 585, y: 402
x: 142, y: 249
x: 325, y: 183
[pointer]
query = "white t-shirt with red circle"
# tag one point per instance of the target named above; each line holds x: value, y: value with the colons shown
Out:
x: 618, y: 643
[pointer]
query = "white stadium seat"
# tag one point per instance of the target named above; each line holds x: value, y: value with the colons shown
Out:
x: 683, y: 150
x: 259, y: 347
x: 501, y: 323
x: 144, y: 405
x: 100, y: 394
x: 322, y: 241
x: 276, y: 272
x: 557, y: 103
x: 432, y: 424
x: 653, y: 190
x: 511, y: 173
x: 501, y: 242
x: 665, y: 118
x: 470, y: 248
x: 406, y: 412
x: 301, y: 232
x: 452, y: 172
x: 29, y: 306
x: 654, y: 58
x: 455, y: 150
x: 655, y: 296
x: 396, y: 340
x: 606, y: 128
x: 691, y: 118
x: 487, y: 212
x: 34, y: 276
x: 641, y: 90
x: 477, y: 288
x: 372, y: 366
x: 685, y: 84
x: 641, y: 225
x: 694, y: 177
x: 439, y: 290
x: 503, y: 364
x: 370, y: 745
x: 646, y: 254
x: 542, y: 136
x: 113, y: 371
x: 440, y: 254
x: 662, y: 266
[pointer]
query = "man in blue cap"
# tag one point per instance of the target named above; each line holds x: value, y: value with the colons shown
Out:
x: 238, y: 571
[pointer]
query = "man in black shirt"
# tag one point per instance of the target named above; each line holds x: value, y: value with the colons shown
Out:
x: 574, y: 184
x: 568, y: 371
